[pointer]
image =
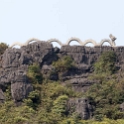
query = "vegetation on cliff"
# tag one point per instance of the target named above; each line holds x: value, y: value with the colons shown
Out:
x: 106, y: 63
x: 47, y: 103
x: 3, y: 47
x: 63, y: 64
x: 108, y: 92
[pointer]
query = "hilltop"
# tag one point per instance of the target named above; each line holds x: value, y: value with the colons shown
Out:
x: 65, y: 85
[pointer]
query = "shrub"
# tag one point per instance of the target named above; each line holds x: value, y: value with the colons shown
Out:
x: 107, y: 97
x: 63, y: 64
x: 107, y: 92
x: 33, y: 99
x: 106, y: 63
x: 34, y: 73
x: 59, y: 105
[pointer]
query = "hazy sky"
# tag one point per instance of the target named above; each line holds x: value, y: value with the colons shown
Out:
x: 21, y: 20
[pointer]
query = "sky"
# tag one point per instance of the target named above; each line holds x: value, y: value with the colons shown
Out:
x: 21, y: 20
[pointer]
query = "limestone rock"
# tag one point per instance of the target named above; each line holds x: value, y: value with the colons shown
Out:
x: 2, y: 98
x: 20, y: 90
x: 122, y: 107
x: 82, y: 106
x: 14, y: 65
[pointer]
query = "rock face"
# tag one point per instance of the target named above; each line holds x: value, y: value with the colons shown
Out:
x: 82, y: 106
x: 2, y: 98
x: 14, y: 64
x: 122, y: 107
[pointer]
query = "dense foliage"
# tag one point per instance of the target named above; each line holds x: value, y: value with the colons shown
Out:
x: 34, y: 73
x: 106, y: 63
x: 63, y: 64
x: 108, y: 92
x: 47, y: 104
x: 107, y: 95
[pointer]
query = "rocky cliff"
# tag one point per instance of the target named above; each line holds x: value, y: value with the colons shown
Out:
x: 14, y: 65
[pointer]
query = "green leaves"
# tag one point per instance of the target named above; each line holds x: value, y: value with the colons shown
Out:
x: 108, y: 92
x: 108, y: 95
x: 33, y: 99
x: 47, y: 104
x: 11, y: 114
x: 34, y: 73
x: 59, y: 105
x: 63, y: 64
x: 106, y: 63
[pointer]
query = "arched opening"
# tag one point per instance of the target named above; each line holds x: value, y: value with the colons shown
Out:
x: 16, y: 46
x: 89, y: 45
x: 74, y: 43
x: 55, y: 44
x: 106, y: 44
x: 32, y: 40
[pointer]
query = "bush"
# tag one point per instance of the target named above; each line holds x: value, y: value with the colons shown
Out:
x: 59, y: 105
x: 107, y: 92
x: 107, y: 97
x: 34, y: 73
x: 11, y: 114
x: 106, y: 63
x: 33, y: 99
x: 63, y: 64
